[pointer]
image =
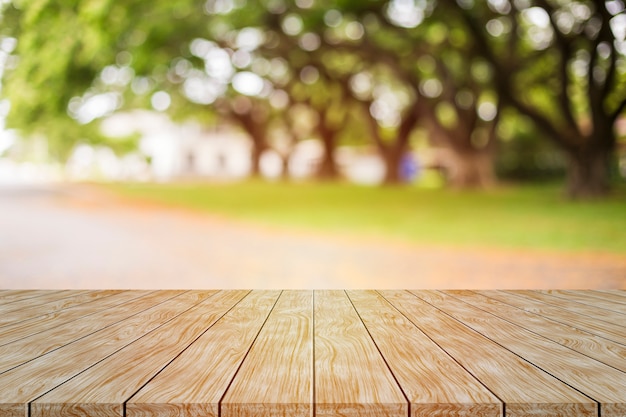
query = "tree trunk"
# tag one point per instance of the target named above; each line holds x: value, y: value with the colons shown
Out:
x: 472, y: 169
x: 327, y: 169
x: 255, y: 159
x: 284, y: 173
x: 392, y: 158
x: 588, y: 173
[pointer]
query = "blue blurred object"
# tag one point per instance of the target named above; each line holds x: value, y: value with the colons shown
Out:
x: 409, y: 168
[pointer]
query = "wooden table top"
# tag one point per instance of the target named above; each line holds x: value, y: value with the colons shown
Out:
x: 304, y: 353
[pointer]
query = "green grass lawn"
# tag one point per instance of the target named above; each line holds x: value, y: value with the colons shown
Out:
x: 533, y: 217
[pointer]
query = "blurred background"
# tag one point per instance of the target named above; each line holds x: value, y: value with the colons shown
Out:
x: 313, y: 144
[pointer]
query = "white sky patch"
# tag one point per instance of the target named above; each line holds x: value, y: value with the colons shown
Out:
x: 539, y: 31
x: 537, y: 16
x: 7, y: 139
x: 333, y: 18
x: 218, y: 65
x: 114, y: 75
x: 279, y: 99
x: 248, y: 83
x: 241, y: 58
x: 354, y: 31
x: 431, y: 88
x: 160, y: 101
x: 309, y: 75
x: 201, y: 47
x: 495, y: 27
x: 388, y: 105
x: 309, y: 41
x: 385, y: 113
x: 580, y: 11
x: 487, y: 111
x: 86, y: 110
x: 304, y: 4
x: 200, y: 89
x: 361, y: 84
x: 8, y: 44
x: 406, y: 13
x: 219, y: 6
x: 140, y: 85
x: 292, y: 25
x: 278, y: 70
x: 500, y: 6
x: 565, y: 21
x: 614, y: 6
x: 5, y: 106
x: 618, y: 26
x: 249, y: 39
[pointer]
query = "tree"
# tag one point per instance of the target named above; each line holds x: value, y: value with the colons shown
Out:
x: 449, y: 66
x: 418, y: 59
x: 563, y: 65
x: 74, y: 61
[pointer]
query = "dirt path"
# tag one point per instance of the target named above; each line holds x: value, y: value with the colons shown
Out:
x: 80, y: 237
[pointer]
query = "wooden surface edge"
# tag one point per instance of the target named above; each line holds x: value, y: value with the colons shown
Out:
x: 76, y: 409
x: 172, y: 409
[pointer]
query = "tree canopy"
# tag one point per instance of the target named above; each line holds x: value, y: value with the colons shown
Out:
x: 360, y: 70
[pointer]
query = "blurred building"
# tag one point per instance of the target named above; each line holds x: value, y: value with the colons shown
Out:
x: 182, y: 151
x: 174, y: 152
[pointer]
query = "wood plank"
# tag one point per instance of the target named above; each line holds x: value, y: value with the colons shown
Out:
x: 31, y: 312
x: 8, y: 296
x: 575, y: 307
x: 30, y: 347
x: 108, y: 384
x: 525, y: 389
x: 618, y: 296
x: 195, y: 382
x: 598, y: 381
x: 600, y: 328
x: 351, y: 377
x: 16, y: 331
x: 433, y: 382
x: 39, y: 297
x: 276, y: 379
x: 586, y: 298
x: 27, y: 382
x: 601, y: 349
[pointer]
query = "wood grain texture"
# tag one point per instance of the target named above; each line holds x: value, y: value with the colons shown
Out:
x: 603, y: 350
x: 114, y: 380
x: 351, y: 377
x: 570, y: 305
x: 27, y: 382
x: 21, y: 329
x: 277, y: 376
x: 598, y: 381
x: 195, y: 382
x: 33, y: 312
x: 307, y: 353
x: 600, y: 328
x: 28, y: 348
x: 589, y: 300
x: 524, y: 388
x: 615, y: 295
x: 433, y: 382
x: 8, y: 296
x: 40, y: 298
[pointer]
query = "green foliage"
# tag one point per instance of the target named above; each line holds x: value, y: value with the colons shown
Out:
x: 440, y: 57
